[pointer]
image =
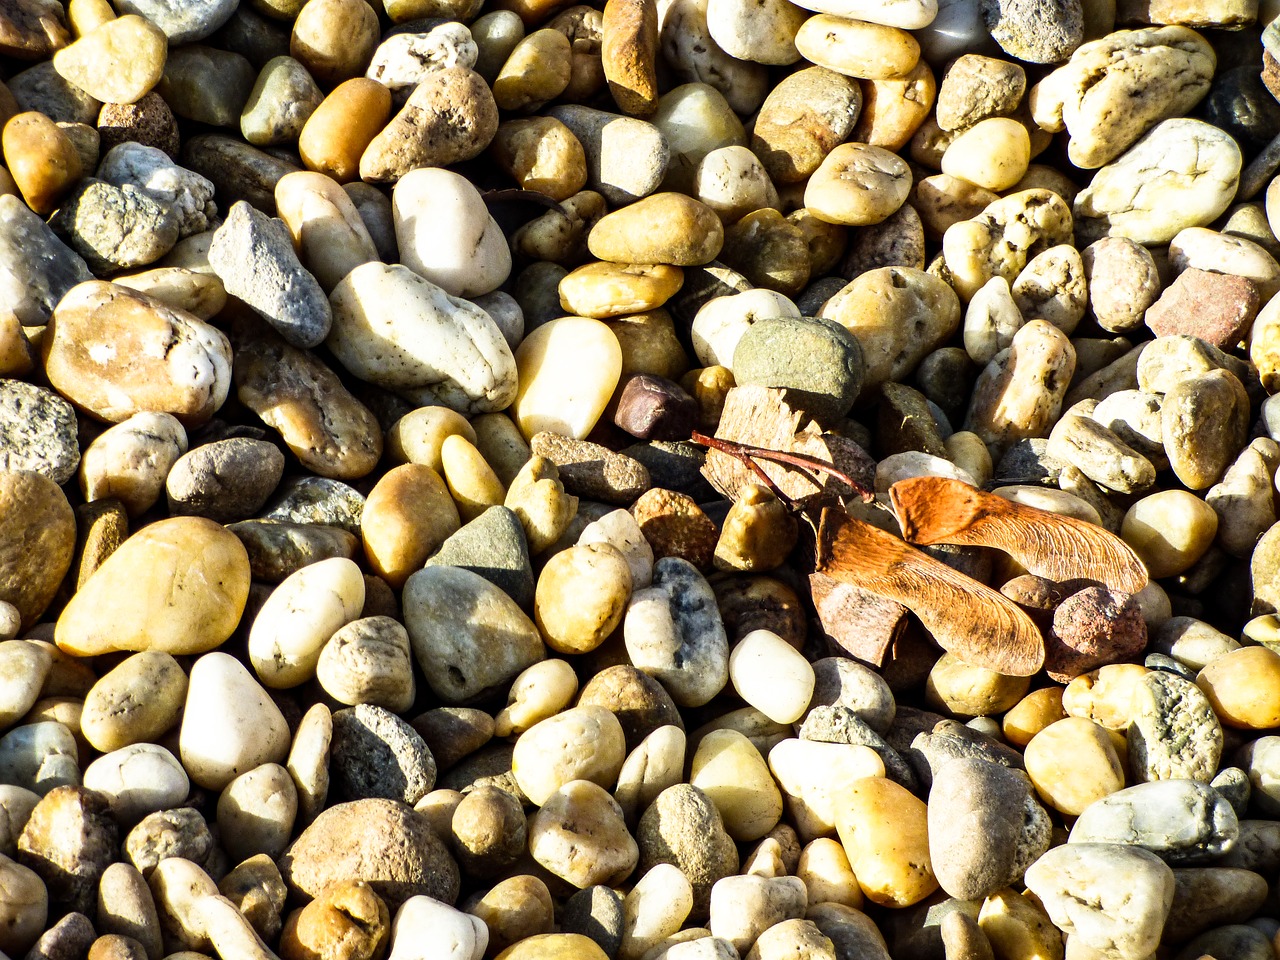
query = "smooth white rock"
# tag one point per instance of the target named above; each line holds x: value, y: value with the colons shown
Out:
x: 446, y: 234
x: 906, y: 14
x: 720, y: 323
x: 229, y: 724
x: 772, y: 676
x: 814, y: 777
x: 568, y: 370
x: 300, y: 616
x: 655, y: 909
x: 139, y: 779
x: 621, y: 531
x: 427, y: 929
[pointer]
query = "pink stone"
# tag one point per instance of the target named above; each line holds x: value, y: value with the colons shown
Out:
x: 1217, y: 307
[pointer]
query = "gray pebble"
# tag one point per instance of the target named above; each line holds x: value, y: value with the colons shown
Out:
x: 282, y: 100
x: 253, y: 255
x: 985, y: 827
x: 184, y: 193
x: 1233, y: 784
x: 376, y: 754
x: 626, y: 157
x: 39, y: 757
x: 592, y: 471
x: 1238, y: 941
x: 68, y: 939
x: 181, y: 832
x: 238, y: 170
x: 596, y: 913
x: 452, y: 733
x: 839, y: 681
x: 1180, y: 821
x: 1166, y: 664
x: 207, y: 85
x: 1204, y: 897
x: 317, y: 500
x: 255, y: 37
x: 683, y: 827
x: 114, y: 228
x: 39, y: 267
x: 1037, y: 31
x: 839, y: 724
x: 183, y: 21
x: 674, y: 465
x: 37, y: 431
x: 43, y: 89
x: 1175, y: 734
x: 1029, y: 461
x: 278, y: 548
x: 817, y: 361
x: 931, y: 751
x: 494, y: 546
x: 226, y: 480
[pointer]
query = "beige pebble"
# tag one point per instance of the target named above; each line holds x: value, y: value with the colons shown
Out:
x: 24, y: 909
x: 733, y: 774
x: 325, y: 225
x: 139, y: 700
x: 584, y: 743
x: 894, y: 108
x: 538, y: 499
x: 200, y: 293
x: 1072, y: 763
x: 256, y: 812
x: 858, y: 185
x: 1169, y: 530
x: 665, y: 227
x: 119, y: 61
x: 298, y: 618
x: 771, y: 675
x: 1242, y: 687
x: 472, y: 483
x: 1105, y: 695
x: 654, y: 910
x: 828, y: 878
x: 1001, y: 239
x: 308, y: 761
x: 568, y: 370
x: 538, y: 70
x: 744, y: 907
x: 418, y: 436
x: 579, y: 835
x: 543, y: 155
x: 815, y: 776
x: 868, y: 51
x: 654, y: 765
x: 993, y: 153
x: 581, y: 597
x: 334, y: 39
x: 1017, y: 925
x: 961, y: 689
x: 369, y: 661
x: 758, y: 533
x: 539, y: 692
x: 884, y: 830
x: 407, y: 515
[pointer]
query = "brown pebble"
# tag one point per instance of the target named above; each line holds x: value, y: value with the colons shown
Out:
x: 115, y: 947
x: 592, y: 471
x: 453, y: 732
x: 515, y: 909
x: 347, y: 921
x: 1216, y: 307
x: 488, y: 832
x: 149, y: 122
x: 675, y: 526
x: 341, y: 128
x: 41, y: 159
x: 629, y: 54
x: 1091, y: 628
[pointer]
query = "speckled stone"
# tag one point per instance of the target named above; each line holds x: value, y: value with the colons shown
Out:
x: 1174, y: 734
x: 376, y: 754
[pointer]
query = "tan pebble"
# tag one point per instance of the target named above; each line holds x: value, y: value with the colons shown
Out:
x: 200, y: 293
x: 1031, y: 714
x: 1169, y: 531
x: 348, y: 920
x: 868, y: 51
x: 324, y: 224
x: 126, y: 907
x: 341, y: 128
x: 1072, y: 763
x: 554, y: 946
x: 993, y: 153
x: 418, y: 436
x: 769, y: 250
x: 584, y: 743
x: 407, y: 515
x: 662, y: 228
x: 581, y: 596
x: 959, y: 688
x: 25, y: 909
x: 708, y: 386
x: 828, y: 877
x: 580, y: 836
x: 815, y: 778
x: 894, y: 109
x: 178, y: 585
x: 514, y: 910
x: 334, y: 39
x: 943, y: 200
x: 41, y: 159
x: 308, y: 761
x: 137, y: 701
x: 119, y: 61
x: 538, y: 70
x: 85, y: 15
x: 1243, y: 687
x: 568, y: 370
x: 858, y: 185
x: 1017, y: 925
x: 38, y: 543
x: 649, y: 344
x: 539, y: 692
x: 628, y: 51
x: 1001, y: 239
x: 1105, y: 695
x: 884, y: 830
x: 256, y: 812
x: 729, y: 769
x: 472, y: 483
x: 758, y: 533
x: 538, y: 498
x: 543, y: 155
x: 605, y: 290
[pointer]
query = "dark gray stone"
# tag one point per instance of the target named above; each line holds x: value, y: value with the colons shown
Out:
x: 183, y: 21
x: 36, y: 268
x: 317, y: 500
x: 207, y: 85
x: 225, y: 481
x: 839, y: 681
x: 278, y: 548
x: 37, y: 431
x: 43, y: 89
x: 595, y: 913
x: 494, y: 546
x: 376, y: 754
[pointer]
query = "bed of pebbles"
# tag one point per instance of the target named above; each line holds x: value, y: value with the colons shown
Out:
x: 362, y: 594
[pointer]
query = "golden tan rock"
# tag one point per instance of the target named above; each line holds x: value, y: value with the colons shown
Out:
x: 629, y: 51
x: 406, y: 516
x: 119, y: 61
x: 1244, y: 687
x: 605, y: 290
x: 348, y: 920
x: 115, y: 352
x: 42, y: 160
x: 885, y: 832
x: 177, y: 586
x: 37, y: 540
x: 342, y: 127
x: 662, y: 228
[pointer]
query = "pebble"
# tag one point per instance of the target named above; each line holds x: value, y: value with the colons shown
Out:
x: 381, y: 842
x: 580, y: 836
x: 423, y: 920
x: 682, y: 827
x: 179, y: 586
x: 1237, y: 685
x: 1160, y: 704
x: 217, y: 747
x: 134, y: 703
x: 283, y: 98
x: 40, y: 756
x: 813, y: 776
x: 69, y: 841
x: 1095, y: 770
x: 884, y: 830
x: 626, y: 157
x: 468, y: 636
x: 40, y: 267
x: 1180, y: 821
x: 400, y: 331
x: 494, y: 546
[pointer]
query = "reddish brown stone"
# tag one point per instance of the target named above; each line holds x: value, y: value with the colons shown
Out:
x: 675, y: 526
x: 1216, y: 307
x: 1090, y: 629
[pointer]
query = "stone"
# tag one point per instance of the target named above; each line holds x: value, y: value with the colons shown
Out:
x: 403, y: 60
x: 554, y: 946
x: 126, y: 907
x: 137, y: 780
x: 451, y: 116
x: 820, y: 363
x: 381, y: 842
x: 1180, y: 821
x: 729, y: 769
x: 767, y: 38
x: 626, y: 157
x: 137, y: 701
x: 38, y: 267
x: 1223, y: 307
x: 682, y: 827
x: 69, y: 841
x: 1100, y: 875
x: 975, y: 87
x: 408, y: 514
x: 581, y: 597
x: 584, y: 743
x: 1004, y: 237
x: 993, y: 153
x: 342, y: 126
x: 376, y: 754
x: 37, y: 432
x: 1127, y: 198
x: 1090, y: 628
x: 256, y: 812
x: 858, y: 185
x: 985, y: 828
x: 283, y: 98
x: 884, y: 830
x: 488, y: 831
x: 42, y: 161
x: 1123, y: 282
x: 26, y: 907
x: 1237, y: 685
x: 317, y: 500
x: 39, y: 756
x: 580, y: 836
x: 856, y: 48
x: 115, y: 228
x: 1203, y: 426
x: 400, y: 331
x: 802, y: 120
x: 1036, y: 31
x: 347, y: 916
x: 334, y: 40
x: 41, y: 89
x: 1161, y: 704
x: 1094, y: 772
x: 468, y: 636
x: 178, y: 586
x: 422, y: 920
x: 492, y: 545
x: 96, y: 64
x: 226, y: 480
x: 207, y: 84
x: 149, y: 122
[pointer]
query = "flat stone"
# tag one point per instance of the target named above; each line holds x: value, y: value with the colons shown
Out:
x: 1180, y: 821
x: 1218, y: 308
x: 37, y: 431
x: 206, y: 84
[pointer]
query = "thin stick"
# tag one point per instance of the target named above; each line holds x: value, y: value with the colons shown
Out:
x: 748, y: 454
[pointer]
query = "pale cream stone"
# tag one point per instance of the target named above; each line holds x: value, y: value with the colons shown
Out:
x: 584, y: 743
x: 991, y: 320
x: 119, y: 61
x: 731, y: 772
x: 993, y: 153
x: 418, y: 436
x: 256, y: 811
x: 178, y: 886
x: 202, y: 294
x: 720, y: 322
x: 1000, y: 240
x: 868, y: 51
x: 326, y: 228
x: 828, y: 878
x: 858, y: 185
x: 1051, y: 500
x: 581, y: 597
x: 539, y: 692
x: 655, y: 764
x: 131, y: 460
x: 579, y: 835
x: 733, y: 182
x: 696, y: 120
x: 771, y: 675
x: 300, y: 616
x: 538, y: 498
x: 567, y: 371
x: 967, y: 451
x: 814, y: 776
x: 655, y: 909
x: 1205, y: 249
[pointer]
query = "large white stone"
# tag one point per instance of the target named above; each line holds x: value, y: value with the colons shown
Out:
x: 426, y: 929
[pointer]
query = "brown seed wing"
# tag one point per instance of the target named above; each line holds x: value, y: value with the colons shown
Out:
x: 977, y: 624
x: 940, y: 510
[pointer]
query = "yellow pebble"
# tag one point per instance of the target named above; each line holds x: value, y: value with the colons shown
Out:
x: 84, y: 15
x: 1105, y: 695
x: 472, y: 483
x: 730, y: 771
x: 960, y: 688
x: 1031, y: 714
x: 824, y: 868
x: 1019, y: 928
x: 885, y: 832
x: 1244, y: 688
x: 1072, y: 763
x: 418, y: 436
